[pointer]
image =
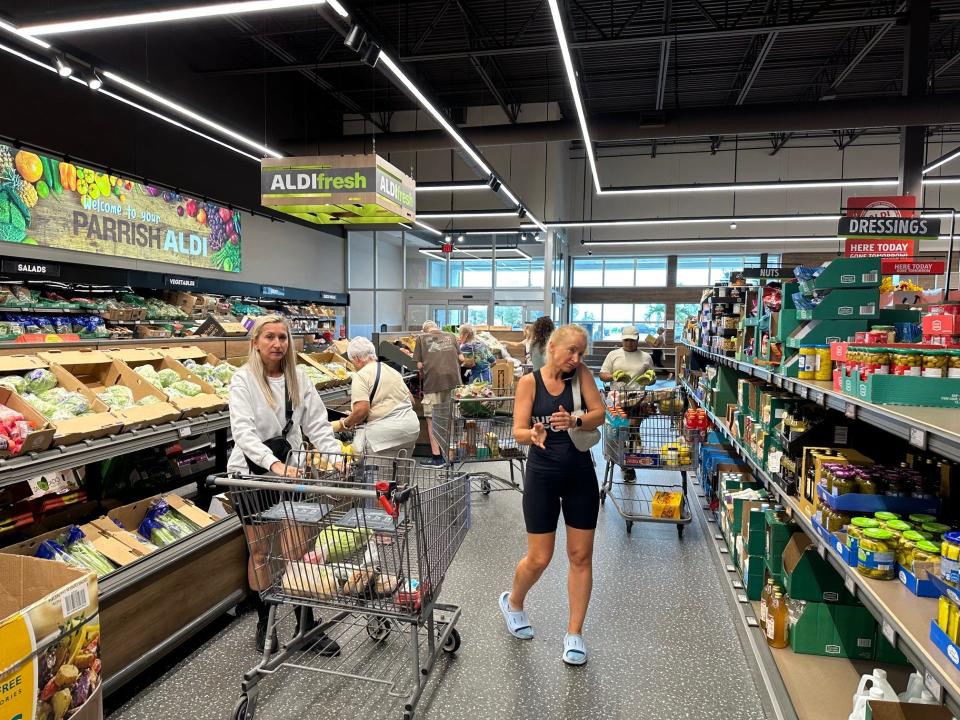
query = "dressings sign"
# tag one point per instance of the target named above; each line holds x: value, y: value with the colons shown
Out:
x: 885, y: 227
x: 49, y: 203
x: 340, y: 190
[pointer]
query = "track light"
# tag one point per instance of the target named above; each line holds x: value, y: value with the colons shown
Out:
x: 460, y: 238
x: 94, y: 82
x: 521, y: 211
x: 733, y: 226
x: 371, y: 56
x: 354, y: 39
x: 63, y: 69
x: 536, y: 236
x: 523, y: 237
x: 494, y: 183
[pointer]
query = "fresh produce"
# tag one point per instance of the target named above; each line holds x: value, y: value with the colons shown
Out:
x: 58, y: 403
x: 14, y: 214
x: 29, y: 166
x: 472, y: 397
x: 73, y: 548
x: 68, y: 670
x: 337, y: 544
x: 14, y: 429
x: 119, y: 397
x: 163, y: 525
x: 14, y: 382
x: 337, y: 370
x: 184, y: 387
x: 316, y: 377
x: 39, y: 381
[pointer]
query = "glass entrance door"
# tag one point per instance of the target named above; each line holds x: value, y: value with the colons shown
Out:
x: 459, y: 313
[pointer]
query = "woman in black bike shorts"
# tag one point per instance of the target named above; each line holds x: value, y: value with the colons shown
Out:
x: 559, y: 478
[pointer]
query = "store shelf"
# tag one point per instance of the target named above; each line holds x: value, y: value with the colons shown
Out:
x: 928, y: 428
x: 904, y: 617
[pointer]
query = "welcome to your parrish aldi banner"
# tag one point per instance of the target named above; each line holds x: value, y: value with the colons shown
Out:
x: 49, y: 203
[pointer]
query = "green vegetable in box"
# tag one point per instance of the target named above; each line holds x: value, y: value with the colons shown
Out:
x: 185, y: 387
x: 14, y: 382
x: 149, y: 373
x: 148, y: 400
x: 167, y: 377
x: 39, y: 380
x: 117, y: 397
x: 316, y: 377
x: 337, y: 544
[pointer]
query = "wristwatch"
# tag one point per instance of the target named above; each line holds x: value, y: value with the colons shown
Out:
x: 579, y: 421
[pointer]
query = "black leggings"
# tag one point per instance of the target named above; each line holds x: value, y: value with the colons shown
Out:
x: 570, y: 487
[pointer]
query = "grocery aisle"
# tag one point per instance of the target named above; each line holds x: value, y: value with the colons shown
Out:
x: 660, y: 633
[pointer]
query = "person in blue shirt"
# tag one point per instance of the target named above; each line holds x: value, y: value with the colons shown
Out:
x: 474, y: 355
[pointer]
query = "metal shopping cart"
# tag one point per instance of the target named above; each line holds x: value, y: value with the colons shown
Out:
x: 645, y: 431
x: 368, y: 541
x: 480, y: 430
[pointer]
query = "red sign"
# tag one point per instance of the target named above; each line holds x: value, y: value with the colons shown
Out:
x: 860, y: 247
x: 881, y: 206
x: 446, y: 248
x: 912, y: 267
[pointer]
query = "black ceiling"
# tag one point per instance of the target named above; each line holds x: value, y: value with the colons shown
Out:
x: 286, y: 78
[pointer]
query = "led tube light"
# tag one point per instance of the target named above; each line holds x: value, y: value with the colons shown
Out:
x: 120, y: 80
x: 17, y: 31
x: 452, y: 188
x: 161, y: 16
x: 427, y: 227
x: 468, y: 214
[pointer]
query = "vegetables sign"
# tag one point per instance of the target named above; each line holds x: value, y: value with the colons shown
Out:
x: 50, y: 203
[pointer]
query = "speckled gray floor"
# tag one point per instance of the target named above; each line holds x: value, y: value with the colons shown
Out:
x: 659, y: 631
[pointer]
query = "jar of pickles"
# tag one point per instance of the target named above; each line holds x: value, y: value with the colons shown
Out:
x: 936, y: 530
x: 919, y: 519
x: 953, y: 364
x: 883, y: 517
x: 844, y: 480
x: 935, y: 363
x: 950, y: 558
x: 898, y: 528
x: 874, y: 361
x: 876, y: 555
x: 834, y: 520
x: 868, y: 484
x: 857, y: 526
x: 908, y: 543
x: 907, y: 362
x: 925, y: 560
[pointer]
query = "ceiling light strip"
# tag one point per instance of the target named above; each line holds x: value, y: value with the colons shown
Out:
x: 575, y: 91
x: 452, y: 187
x: 467, y: 214
x: 710, y: 241
x: 24, y: 56
x: 426, y: 227
x: 17, y: 31
x: 176, y: 107
x: 742, y: 187
x: 162, y: 16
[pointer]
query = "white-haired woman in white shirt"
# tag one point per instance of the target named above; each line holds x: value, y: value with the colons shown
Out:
x: 381, y: 405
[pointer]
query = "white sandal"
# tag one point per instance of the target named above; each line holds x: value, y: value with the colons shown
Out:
x: 517, y: 623
x: 574, y: 650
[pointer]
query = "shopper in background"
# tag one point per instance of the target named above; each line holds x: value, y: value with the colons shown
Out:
x: 272, y: 398
x: 475, y: 357
x: 542, y: 329
x: 381, y: 405
x: 559, y: 478
x: 438, y: 359
x: 659, y: 341
x: 627, y: 358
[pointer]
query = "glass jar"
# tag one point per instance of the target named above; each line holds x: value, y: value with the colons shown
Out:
x: 834, y: 520
x: 882, y: 517
x: 919, y: 519
x: 936, y: 530
x: 950, y: 558
x: 857, y: 526
x: 844, y: 480
x: 898, y: 528
x: 926, y: 560
x: 908, y: 543
x: 854, y: 358
x: 876, y: 361
x: 876, y: 555
x: 907, y: 362
x: 953, y: 363
x: 867, y: 484
x: 935, y: 363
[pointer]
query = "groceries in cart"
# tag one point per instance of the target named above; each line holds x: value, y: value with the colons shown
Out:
x: 475, y: 400
x: 648, y: 377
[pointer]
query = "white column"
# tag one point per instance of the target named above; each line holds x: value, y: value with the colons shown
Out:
x: 548, y: 250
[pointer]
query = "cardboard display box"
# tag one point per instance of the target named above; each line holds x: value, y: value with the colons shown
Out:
x: 839, y: 630
x: 807, y: 576
x: 206, y: 401
x: 86, y: 427
x: 882, y: 710
x: 40, y: 437
x: 37, y: 597
x: 97, y: 371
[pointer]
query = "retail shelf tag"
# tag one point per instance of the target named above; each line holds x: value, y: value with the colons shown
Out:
x: 741, y: 598
x: 918, y: 438
x: 185, y: 431
x: 731, y: 568
x: 818, y: 397
x: 803, y: 392
x: 933, y: 686
x: 889, y: 632
x: 737, y: 585
x: 850, y: 410
x: 724, y: 550
x: 850, y: 585
x: 718, y: 537
x: 840, y: 435
x: 752, y: 622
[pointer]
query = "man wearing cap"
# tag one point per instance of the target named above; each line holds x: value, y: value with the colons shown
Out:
x: 627, y: 358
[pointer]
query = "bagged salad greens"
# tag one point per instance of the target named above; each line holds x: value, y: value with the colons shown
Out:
x: 39, y: 380
x: 74, y: 549
x: 116, y: 397
x: 185, y: 387
x: 14, y: 382
x: 59, y: 403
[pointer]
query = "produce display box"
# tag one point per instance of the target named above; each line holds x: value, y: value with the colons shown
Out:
x: 902, y: 389
x: 807, y: 576
x: 316, y: 360
x: 845, y: 273
x: 118, y: 552
x: 944, y: 644
x: 207, y: 401
x: 40, y: 437
x: 144, y: 331
x: 96, y: 370
x: 847, y: 631
x: 858, y: 303
x: 188, y: 352
x: 38, y: 597
x: 86, y: 427
x: 920, y: 588
x: 866, y: 503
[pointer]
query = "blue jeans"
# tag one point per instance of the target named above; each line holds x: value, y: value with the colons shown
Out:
x: 479, y: 374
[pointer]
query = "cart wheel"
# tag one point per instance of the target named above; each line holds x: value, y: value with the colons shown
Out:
x: 680, y: 531
x: 629, y: 526
x: 240, y: 711
x: 453, y: 641
x: 485, y: 486
x: 379, y: 628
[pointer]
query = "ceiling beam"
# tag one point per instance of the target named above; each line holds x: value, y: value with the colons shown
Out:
x: 761, y: 56
x: 431, y: 26
x: 497, y: 87
x: 662, y: 74
x: 655, y: 37
x: 706, y: 13
x: 778, y: 140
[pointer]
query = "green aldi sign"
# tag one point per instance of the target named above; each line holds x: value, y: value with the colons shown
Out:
x: 338, y: 190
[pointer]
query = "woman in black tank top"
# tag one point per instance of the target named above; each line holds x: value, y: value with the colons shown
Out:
x: 559, y: 478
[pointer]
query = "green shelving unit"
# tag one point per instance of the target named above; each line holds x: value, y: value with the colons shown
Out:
x: 846, y: 304
x: 845, y: 273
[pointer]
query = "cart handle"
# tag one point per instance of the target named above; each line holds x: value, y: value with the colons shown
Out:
x: 291, y: 487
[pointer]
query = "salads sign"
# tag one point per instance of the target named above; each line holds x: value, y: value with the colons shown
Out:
x: 49, y: 203
x: 338, y: 190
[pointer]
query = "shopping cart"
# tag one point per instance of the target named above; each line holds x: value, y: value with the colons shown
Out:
x: 645, y: 431
x: 480, y: 430
x: 368, y: 541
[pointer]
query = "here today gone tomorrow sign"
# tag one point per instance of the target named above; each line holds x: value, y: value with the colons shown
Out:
x: 339, y: 190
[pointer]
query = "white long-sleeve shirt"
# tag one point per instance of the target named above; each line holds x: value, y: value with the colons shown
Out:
x: 252, y: 420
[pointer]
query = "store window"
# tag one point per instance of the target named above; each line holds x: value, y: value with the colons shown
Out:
x: 588, y: 272
x: 606, y: 321
x: 438, y: 274
x: 509, y: 315
x: 520, y: 272
x: 681, y: 313
x: 620, y: 272
x: 471, y: 273
x: 705, y: 270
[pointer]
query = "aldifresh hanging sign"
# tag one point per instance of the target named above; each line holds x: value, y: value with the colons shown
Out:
x: 49, y: 203
x: 338, y: 190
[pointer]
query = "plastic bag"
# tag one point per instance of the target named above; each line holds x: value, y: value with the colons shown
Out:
x: 185, y: 387
x: 14, y: 382
x: 167, y: 377
x: 148, y: 372
x: 148, y: 400
x: 117, y: 397
x: 47, y: 409
x: 39, y: 380
x: 75, y: 543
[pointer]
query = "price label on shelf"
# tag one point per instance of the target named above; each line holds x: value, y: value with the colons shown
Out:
x: 818, y: 397
x: 741, y: 598
x: 918, y: 438
x: 933, y: 686
x: 850, y: 585
x: 850, y: 410
x: 731, y: 569
x: 185, y: 431
x: 889, y: 632
x: 803, y: 392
